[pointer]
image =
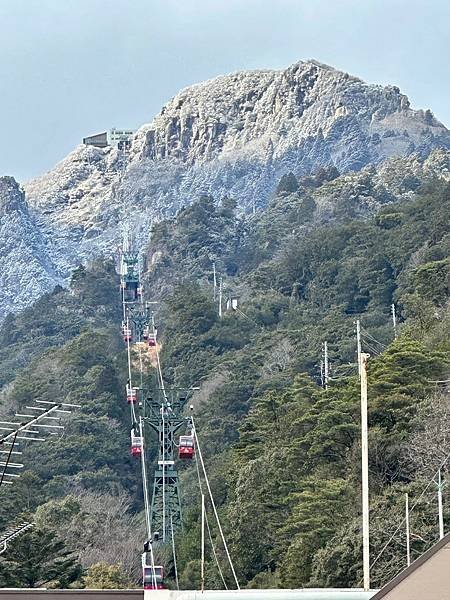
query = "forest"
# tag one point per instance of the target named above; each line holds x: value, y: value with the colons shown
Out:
x: 281, y: 448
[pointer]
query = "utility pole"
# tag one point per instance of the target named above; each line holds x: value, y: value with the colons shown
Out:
x: 214, y: 280
x: 394, y: 320
x: 358, y: 345
x: 220, y: 297
x: 326, y: 366
x: 408, y: 552
x: 202, y: 574
x: 441, y: 514
x: 365, y: 472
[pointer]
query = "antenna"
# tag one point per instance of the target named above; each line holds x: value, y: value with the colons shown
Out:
x: 35, y: 426
x: 12, y: 533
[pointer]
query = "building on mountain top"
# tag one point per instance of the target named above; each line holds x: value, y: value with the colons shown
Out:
x: 119, y: 138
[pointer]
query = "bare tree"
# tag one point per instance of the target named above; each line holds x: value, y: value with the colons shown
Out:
x: 280, y: 357
x: 429, y: 444
x: 99, y: 527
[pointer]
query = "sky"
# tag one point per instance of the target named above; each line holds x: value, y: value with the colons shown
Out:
x: 71, y: 68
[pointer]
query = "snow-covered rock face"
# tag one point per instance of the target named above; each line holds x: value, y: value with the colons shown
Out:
x: 235, y: 135
x: 26, y: 271
x: 307, y: 114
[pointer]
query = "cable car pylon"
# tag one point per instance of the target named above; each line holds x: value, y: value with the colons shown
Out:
x: 137, y: 327
x: 161, y: 412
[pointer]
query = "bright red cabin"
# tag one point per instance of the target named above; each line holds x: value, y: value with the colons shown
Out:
x: 186, y: 448
x: 136, y: 444
x: 153, y: 578
x: 132, y: 394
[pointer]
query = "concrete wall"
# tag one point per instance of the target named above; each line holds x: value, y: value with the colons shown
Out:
x: 311, y: 594
x: 27, y: 594
x: 278, y: 594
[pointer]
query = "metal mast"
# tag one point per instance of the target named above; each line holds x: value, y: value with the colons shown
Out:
x: 160, y: 411
x: 164, y: 416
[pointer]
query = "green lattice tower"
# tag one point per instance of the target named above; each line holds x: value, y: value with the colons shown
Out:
x: 164, y: 417
x: 140, y: 317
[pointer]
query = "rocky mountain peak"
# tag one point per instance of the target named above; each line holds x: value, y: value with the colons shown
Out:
x: 12, y: 197
x: 235, y: 135
x: 256, y: 111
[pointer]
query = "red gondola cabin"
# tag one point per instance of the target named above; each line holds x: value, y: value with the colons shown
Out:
x: 136, y: 444
x: 126, y: 333
x: 153, y: 578
x: 186, y: 448
x: 132, y: 394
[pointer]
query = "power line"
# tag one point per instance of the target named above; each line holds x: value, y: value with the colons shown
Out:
x: 214, y: 506
x: 432, y: 480
x: 209, y: 529
x: 173, y: 551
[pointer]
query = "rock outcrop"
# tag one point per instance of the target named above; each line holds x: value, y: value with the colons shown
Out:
x: 235, y: 135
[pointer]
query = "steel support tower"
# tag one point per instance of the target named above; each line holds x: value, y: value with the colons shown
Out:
x: 163, y: 415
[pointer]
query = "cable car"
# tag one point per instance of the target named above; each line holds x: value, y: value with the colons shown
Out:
x: 151, y: 339
x: 132, y: 394
x: 145, y: 332
x: 140, y: 291
x: 136, y: 444
x: 186, y: 447
x: 126, y: 333
x: 153, y: 577
x: 130, y: 292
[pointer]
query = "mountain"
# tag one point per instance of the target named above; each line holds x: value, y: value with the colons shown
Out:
x: 235, y: 135
x: 281, y: 451
x: 26, y: 268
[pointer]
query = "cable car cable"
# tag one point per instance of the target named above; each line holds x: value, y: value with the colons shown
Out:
x: 367, y: 334
x: 146, y: 503
x: 410, y: 510
x: 173, y: 552
x: 163, y: 445
x: 209, y: 529
x: 214, y: 505
x: 148, y: 548
x: 8, y: 458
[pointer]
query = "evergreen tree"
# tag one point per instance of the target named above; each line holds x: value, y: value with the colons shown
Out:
x: 38, y: 558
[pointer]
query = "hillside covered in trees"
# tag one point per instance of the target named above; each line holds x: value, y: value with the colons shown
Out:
x: 282, y: 452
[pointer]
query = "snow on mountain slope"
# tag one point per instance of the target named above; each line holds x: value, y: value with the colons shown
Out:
x: 234, y: 135
x: 26, y: 271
